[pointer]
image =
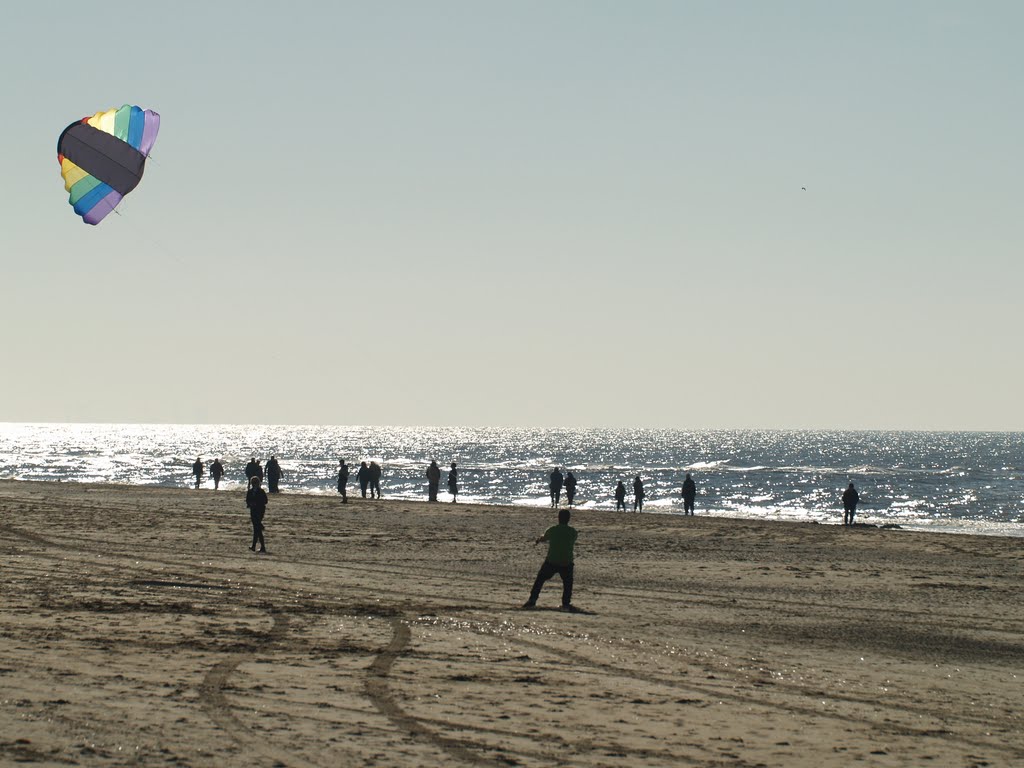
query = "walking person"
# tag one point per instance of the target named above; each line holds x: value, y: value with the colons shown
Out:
x: 689, y: 494
x: 453, y: 483
x: 216, y: 472
x: 256, y: 501
x: 274, y: 475
x: 561, y: 541
x: 433, y: 480
x: 363, y: 476
x: 556, y: 482
x: 850, y: 499
x: 197, y: 470
x: 343, y: 480
x: 638, y: 494
x: 570, y: 487
x: 620, y: 496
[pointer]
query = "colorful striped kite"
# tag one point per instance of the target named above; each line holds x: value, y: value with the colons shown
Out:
x: 102, y: 158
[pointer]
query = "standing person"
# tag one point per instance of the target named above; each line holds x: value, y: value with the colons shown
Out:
x: 850, y: 499
x: 363, y: 476
x: 556, y: 486
x: 638, y: 494
x: 433, y: 480
x: 250, y: 471
x: 258, y: 469
x: 689, y: 494
x: 375, y: 473
x: 561, y: 541
x: 453, y: 483
x: 256, y: 501
x: 216, y: 472
x: 570, y: 487
x: 343, y: 480
x: 197, y: 470
x: 620, y: 496
x: 274, y: 475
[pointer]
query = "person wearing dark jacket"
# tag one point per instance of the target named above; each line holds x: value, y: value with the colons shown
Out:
x: 570, y: 487
x: 433, y: 480
x: 850, y: 499
x: 363, y: 476
x: 557, y: 480
x: 375, y: 473
x: 689, y: 494
x: 620, y: 496
x: 216, y: 472
x: 197, y: 470
x: 343, y: 480
x: 274, y: 475
x: 638, y: 494
x: 256, y: 501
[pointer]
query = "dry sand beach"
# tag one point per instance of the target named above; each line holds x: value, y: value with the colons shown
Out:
x: 136, y: 628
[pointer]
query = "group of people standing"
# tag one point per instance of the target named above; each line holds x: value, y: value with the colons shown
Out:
x: 557, y: 482
x: 368, y: 475
x: 434, y: 481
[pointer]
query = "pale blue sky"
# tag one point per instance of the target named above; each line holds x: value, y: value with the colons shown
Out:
x: 531, y: 213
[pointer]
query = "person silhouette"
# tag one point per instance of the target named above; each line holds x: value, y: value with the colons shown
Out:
x: 256, y: 501
x: 557, y: 480
x: 561, y: 541
x: 375, y: 473
x: 433, y: 480
x: 620, y: 496
x: 250, y: 471
x: 570, y: 487
x: 638, y: 494
x: 363, y: 476
x: 343, y: 480
x: 453, y: 483
x: 197, y: 470
x: 850, y: 499
x: 216, y: 472
x: 689, y: 494
x: 274, y: 475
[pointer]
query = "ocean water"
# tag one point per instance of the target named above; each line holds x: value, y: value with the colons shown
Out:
x: 958, y: 482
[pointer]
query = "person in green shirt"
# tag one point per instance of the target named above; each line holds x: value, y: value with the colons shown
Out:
x: 561, y: 540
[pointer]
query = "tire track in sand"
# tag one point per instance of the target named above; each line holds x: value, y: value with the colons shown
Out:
x: 378, y: 690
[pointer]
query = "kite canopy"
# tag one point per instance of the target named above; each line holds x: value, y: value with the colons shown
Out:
x: 102, y: 158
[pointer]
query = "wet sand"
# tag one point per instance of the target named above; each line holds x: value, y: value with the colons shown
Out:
x: 136, y: 628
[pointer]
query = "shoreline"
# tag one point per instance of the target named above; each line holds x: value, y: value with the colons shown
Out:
x: 867, y: 521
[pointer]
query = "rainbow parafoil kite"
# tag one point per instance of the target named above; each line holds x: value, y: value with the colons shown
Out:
x: 102, y: 158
